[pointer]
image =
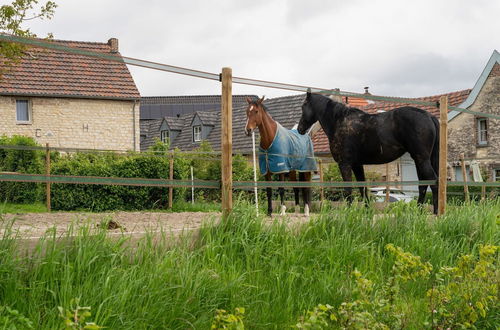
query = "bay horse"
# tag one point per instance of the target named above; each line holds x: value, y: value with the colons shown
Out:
x: 281, y: 152
x: 357, y: 138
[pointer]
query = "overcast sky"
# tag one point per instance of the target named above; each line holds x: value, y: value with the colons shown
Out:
x: 400, y: 48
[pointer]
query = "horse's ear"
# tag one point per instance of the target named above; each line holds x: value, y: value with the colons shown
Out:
x: 249, y: 100
x: 308, y: 95
x: 262, y: 99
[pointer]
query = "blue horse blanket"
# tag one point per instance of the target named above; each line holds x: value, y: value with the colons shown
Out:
x: 289, y: 151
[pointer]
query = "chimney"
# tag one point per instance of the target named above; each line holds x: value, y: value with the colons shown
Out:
x: 366, y: 91
x: 113, y: 43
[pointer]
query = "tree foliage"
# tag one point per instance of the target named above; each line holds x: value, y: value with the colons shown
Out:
x: 12, y: 19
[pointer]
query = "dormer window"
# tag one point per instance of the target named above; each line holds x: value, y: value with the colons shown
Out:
x: 164, y: 135
x: 197, y: 133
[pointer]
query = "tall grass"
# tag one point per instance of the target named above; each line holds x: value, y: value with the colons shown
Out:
x: 275, y: 270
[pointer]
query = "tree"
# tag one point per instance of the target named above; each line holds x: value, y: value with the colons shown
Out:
x: 12, y: 18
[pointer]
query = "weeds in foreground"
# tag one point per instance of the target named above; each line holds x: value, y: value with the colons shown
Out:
x: 346, y: 257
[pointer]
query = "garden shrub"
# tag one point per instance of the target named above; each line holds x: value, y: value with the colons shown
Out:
x: 21, y: 161
x: 106, y: 197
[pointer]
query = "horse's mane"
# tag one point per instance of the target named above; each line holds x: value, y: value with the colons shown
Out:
x: 340, y: 109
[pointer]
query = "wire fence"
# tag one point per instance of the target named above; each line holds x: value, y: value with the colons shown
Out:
x: 217, y: 77
x: 209, y: 156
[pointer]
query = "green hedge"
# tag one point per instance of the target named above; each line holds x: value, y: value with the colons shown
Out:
x: 21, y: 161
x: 102, y: 197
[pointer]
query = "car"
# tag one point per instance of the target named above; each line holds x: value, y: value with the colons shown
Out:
x: 395, y: 194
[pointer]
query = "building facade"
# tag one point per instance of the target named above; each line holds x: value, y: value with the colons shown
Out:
x: 70, y: 100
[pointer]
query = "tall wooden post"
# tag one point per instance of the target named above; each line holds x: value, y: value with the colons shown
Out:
x: 464, y: 176
x: 171, y: 177
x: 387, y: 188
x: 443, y: 153
x: 322, y: 191
x: 47, y: 172
x: 227, y: 141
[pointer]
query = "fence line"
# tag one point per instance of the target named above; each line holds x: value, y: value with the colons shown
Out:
x: 215, y: 184
x: 217, y: 77
x: 191, y: 155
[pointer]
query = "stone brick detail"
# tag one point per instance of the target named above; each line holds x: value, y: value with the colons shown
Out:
x: 462, y: 130
x: 495, y: 72
x: 75, y: 123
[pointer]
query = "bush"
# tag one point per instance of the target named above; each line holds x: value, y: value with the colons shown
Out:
x: 21, y: 161
x: 105, y: 197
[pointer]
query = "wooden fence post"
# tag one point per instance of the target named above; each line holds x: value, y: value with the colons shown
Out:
x: 171, y: 177
x: 322, y: 191
x: 464, y: 176
x: 387, y: 188
x: 47, y: 172
x: 227, y: 141
x: 443, y: 153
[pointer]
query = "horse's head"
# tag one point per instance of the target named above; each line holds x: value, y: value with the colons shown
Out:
x: 308, y: 117
x: 255, y: 111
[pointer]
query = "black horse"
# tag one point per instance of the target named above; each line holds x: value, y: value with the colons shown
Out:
x: 357, y: 138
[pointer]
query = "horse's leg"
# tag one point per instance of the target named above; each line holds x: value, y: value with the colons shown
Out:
x: 306, y: 177
x: 426, y: 172
x: 293, y: 178
x: 282, y: 195
x: 346, y: 172
x: 359, y: 173
x: 269, y: 193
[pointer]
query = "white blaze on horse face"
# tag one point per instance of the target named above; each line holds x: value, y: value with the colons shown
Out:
x: 248, y: 118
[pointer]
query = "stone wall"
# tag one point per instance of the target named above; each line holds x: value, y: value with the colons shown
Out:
x: 462, y: 130
x: 75, y: 123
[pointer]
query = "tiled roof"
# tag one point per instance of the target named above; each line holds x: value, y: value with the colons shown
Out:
x: 286, y: 110
x: 454, y: 99
x: 191, y: 99
x: 175, y: 123
x: 54, y: 73
x: 156, y: 107
x: 320, y: 140
x: 149, y: 131
x: 208, y: 117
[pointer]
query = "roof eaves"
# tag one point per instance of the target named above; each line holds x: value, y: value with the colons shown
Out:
x: 72, y: 96
x: 495, y: 58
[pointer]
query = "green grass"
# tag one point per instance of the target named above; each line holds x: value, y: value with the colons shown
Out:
x: 22, y: 208
x: 275, y: 272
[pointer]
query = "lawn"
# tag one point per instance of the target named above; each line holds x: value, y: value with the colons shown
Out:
x: 274, y: 271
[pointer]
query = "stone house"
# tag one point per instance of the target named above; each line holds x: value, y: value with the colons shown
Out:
x: 70, y: 100
x: 478, y: 137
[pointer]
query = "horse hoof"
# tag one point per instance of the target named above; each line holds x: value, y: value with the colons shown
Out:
x: 306, y: 210
x: 283, y: 210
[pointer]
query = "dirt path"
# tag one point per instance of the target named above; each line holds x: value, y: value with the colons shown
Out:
x: 34, y: 225
x: 31, y: 226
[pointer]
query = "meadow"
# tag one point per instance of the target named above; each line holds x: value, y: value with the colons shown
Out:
x: 271, y: 275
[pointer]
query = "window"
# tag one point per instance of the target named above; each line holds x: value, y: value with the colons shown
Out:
x: 23, y: 113
x: 496, y: 174
x: 164, y: 135
x: 482, y: 131
x: 196, y: 133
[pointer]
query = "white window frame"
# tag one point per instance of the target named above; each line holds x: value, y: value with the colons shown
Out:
x: 30, y: 113
x: 164, y: 135
x: 480, y: 141
x: 496, y: 178
x: 197, y: 133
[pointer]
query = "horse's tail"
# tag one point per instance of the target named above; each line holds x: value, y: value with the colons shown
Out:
x: 435, y: 148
